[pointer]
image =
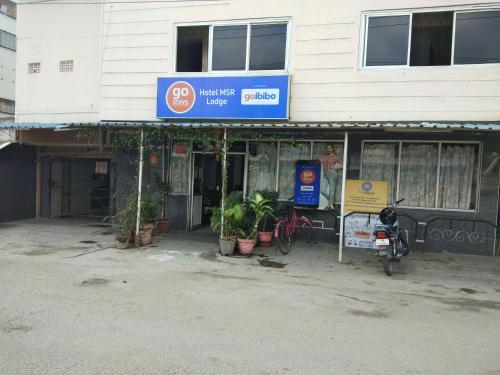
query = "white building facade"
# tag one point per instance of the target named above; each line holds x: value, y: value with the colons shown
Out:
x: 415, y: 84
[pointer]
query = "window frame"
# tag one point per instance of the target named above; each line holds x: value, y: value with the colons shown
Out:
x: 440, y: 143
x: 245, y: 71
x: 364, y: 35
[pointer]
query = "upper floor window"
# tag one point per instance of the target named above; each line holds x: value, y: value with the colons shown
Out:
x: 232, y: 47
x: 65, y: 66
x: 432, y: 38
x: 7, y: 40
x: 34, y: 68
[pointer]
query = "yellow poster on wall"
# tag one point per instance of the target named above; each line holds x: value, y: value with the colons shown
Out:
x: 365, y: 196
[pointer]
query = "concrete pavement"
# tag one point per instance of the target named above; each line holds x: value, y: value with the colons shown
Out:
x: 178, y: 308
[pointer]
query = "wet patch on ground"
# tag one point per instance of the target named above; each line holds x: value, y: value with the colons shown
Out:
x: 468, y: 290
x: 439, y: 286
x: 222, y: 276
x: 369, y: 314
x: 15, y: 329
x: 40, y: 251
x: 95, y: 282
x: 106, y: 232
x: 471, y: 304
x: 99, y: 225
x: 353, y: 298
x: 209, y: 255
x: 87, y: 241
x: 271, y: 263
x: 6, y: 226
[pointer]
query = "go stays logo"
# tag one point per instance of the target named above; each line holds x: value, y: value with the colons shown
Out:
x: 180, y: 97
x: 307, y: 176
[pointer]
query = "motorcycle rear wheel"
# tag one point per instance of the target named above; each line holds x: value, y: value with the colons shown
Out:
x: 388, y: 260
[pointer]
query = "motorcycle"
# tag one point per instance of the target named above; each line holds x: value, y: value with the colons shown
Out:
x: 389, y: 239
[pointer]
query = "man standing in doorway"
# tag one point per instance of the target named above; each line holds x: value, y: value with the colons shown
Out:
x: 331, y: 165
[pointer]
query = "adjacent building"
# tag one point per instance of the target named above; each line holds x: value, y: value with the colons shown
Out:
x: 411, y: 90
x: 7, y: 59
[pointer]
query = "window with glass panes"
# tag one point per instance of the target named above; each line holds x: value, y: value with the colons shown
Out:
x: 441, y: 175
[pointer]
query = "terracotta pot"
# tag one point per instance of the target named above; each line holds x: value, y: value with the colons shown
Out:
x: 246, y: 246
x: 164, y: 225
x: 265, y: 238
x: 146, y: 234
x: 122, y: 242
x: 227, y: 246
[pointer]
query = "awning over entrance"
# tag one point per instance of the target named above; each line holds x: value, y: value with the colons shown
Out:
x: 476, y: 126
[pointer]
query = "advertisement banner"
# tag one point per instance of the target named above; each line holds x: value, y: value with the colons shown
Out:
x: 365, y: 196
x: 307, y: 183
x: 248, y: 97
x: 359, y: 230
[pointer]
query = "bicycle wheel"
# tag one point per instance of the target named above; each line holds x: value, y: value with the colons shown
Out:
x: 283, y: 239
x: 305, y: 228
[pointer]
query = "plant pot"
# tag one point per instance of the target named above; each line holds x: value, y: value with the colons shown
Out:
x: 122, y: 242
x: 156, y: 228
x: 146, y: 234
x: 246, y: 246
x: 265, y: 238
x: 163, y: 225
x: 227, y: 246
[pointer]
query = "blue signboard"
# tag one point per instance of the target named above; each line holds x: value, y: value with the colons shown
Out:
x: 249, y: 97
x: 307, y: 183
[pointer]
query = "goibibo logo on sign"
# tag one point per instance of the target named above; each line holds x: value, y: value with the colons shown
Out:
x: 228, y: 97
x: 180, y: 97
x: 260, y: 96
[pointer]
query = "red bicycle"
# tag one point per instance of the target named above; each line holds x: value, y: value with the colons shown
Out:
x: 289, y: 226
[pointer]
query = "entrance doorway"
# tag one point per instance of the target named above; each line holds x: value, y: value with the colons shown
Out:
x: 79, y: 187
x: 207, y: 184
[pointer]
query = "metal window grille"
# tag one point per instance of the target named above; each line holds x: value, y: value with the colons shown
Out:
x: 8, y: 40
x: 66, y: 66
x: 34, y: 68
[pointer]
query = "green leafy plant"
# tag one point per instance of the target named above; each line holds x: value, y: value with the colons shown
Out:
x: 234, y: 211
x: 267, y: 224
x: 254, y: 211
x: 164, y: 190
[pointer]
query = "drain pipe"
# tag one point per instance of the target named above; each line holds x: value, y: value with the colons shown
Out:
x: 139, y: 190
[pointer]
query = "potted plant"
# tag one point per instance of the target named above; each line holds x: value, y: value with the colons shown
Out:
x: 266, y: 226
x: 255, y: 209
x: 126, y: 220
x: 233, y: 213
x: 146, y: 220
x: 164, y: 189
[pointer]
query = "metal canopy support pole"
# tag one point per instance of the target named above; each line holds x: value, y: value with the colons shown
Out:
x: 139, y: 189
x: 224, y: 183
x: 342, y: 212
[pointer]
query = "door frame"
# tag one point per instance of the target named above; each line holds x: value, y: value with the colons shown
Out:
x: 191, y: 179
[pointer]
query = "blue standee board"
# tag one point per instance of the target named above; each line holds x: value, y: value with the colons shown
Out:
x: 307, y: 183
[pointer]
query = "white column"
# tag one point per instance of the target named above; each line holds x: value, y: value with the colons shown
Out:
x: 224, y: 185
x: 139, y: 188
x: 342, y: 212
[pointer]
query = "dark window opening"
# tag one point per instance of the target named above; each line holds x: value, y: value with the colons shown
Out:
x: 192, y: 49
x: 477, y: 38
x: 268, y: 47
x: 431, y: 39
x: 387, y: 42
x: 229, y: 47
